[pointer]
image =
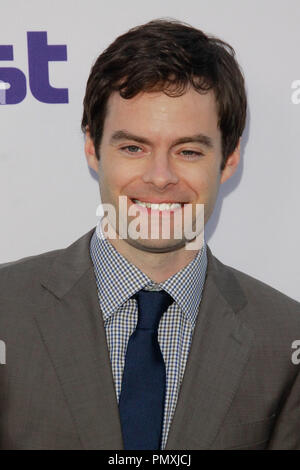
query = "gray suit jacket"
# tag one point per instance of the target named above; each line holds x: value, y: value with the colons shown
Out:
x: 240, y: 390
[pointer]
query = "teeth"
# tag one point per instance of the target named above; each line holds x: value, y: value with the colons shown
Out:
x: 162, y: 207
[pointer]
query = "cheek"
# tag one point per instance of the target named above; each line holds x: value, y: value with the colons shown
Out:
x: 112, y: 179
x: 204, y: 183
x: 108, y: 174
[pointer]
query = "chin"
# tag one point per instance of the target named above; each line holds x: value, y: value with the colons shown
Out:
x: 157, y: 246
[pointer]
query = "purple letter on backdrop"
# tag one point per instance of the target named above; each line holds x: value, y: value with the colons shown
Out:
x: 15, y: 77
x: 39, y: 54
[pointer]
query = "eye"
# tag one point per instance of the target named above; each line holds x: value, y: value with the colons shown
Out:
x: 131, y: 148
x: 191, y: 154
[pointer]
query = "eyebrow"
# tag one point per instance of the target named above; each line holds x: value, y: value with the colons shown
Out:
x: 124, y: 135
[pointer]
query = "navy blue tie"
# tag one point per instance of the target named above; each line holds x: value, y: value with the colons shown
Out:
x: 141, y: 403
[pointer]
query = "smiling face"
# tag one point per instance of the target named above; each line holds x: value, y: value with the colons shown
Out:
x: 159, y: 149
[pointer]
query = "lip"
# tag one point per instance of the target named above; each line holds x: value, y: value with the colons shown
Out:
x: 157, y: 201
x: 148, y: 210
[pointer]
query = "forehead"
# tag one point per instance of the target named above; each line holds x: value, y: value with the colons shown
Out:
x: 159, y: 114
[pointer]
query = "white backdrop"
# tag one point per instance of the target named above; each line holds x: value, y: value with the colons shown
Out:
x: 48, y: 196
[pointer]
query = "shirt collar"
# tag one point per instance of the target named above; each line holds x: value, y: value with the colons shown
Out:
x: 117, y: 279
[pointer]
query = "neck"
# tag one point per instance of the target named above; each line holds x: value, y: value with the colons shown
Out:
x: 158, y: 266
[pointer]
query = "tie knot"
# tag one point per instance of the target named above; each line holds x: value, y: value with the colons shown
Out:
x: 151, y: 306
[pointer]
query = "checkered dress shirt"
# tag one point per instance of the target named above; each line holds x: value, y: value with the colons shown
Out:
x: 117, y: 280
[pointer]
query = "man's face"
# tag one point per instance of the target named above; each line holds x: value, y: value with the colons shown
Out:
x: 157, y: 148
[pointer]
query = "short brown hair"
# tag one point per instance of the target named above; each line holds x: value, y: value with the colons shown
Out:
x: 168, y: 55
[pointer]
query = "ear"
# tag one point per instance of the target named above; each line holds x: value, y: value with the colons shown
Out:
x: 90, y: 152
x: 231, y: 164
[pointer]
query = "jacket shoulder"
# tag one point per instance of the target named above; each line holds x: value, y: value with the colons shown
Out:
x: 266, y: 310
x: 22, y: 276
x: 254, y: 288
x: 22, y: 280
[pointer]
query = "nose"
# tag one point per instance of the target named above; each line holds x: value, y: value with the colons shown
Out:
x: 160, y: 172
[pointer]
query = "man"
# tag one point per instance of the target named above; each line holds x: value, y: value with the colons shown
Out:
x: 151, y: 342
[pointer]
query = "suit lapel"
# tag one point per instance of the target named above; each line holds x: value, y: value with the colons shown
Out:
x: 219, y: 352
x: 72, y: 329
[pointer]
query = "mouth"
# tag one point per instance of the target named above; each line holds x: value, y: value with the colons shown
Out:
x: 158, y: 206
